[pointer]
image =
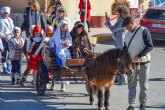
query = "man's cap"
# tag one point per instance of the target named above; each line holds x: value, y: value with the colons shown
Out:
x: 127, y: 20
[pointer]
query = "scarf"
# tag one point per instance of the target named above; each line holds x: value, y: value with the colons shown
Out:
x: 34, y: 16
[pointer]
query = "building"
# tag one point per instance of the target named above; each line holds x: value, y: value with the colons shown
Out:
x: 99, y: 7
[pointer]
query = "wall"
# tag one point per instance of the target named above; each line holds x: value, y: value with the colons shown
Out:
x: 99, y: 7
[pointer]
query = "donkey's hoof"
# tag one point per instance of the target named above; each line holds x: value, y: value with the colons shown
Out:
x: 92, y: 103
x: 101, y: 108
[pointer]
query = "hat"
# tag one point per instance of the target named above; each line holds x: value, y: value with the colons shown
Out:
x: 36, y: 29
x: 127, y: 20
x: 16, y: 29
x: 5, y: 10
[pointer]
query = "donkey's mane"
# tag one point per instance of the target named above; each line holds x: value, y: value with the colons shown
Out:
x: 104, y: 66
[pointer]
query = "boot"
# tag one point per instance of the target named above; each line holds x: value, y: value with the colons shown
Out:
x: 5, y: 71
x: 13, y: 81
x: 18, y: 81
x: 18, y: 77
x: 8, y: 68
x: 62, y: 87
x: 22, y: 81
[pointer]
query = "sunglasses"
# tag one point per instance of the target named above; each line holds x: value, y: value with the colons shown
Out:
x: 62, y: 11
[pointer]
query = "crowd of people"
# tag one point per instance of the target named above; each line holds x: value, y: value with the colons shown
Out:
x: 66, y: 44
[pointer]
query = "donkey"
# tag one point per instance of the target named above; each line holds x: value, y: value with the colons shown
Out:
x: 101, y: 74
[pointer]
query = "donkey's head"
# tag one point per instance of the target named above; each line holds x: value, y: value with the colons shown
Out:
x: 125, y: 63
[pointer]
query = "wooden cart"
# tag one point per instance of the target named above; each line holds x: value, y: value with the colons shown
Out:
x: 73, y: 71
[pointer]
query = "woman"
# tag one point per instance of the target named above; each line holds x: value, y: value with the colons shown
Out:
x: 117, y: 30
x: 33, y: 16
x: 34, y: 48
x: 82, y: 12
x: 62, y: 40
x: 61, y: 15
x: 54, y: 4
x: 81, y: 46
x: 118, y: 33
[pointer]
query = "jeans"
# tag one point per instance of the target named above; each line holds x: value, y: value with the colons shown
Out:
x: 143, y: 73
x: 5, y: 52
x: 16, y: 68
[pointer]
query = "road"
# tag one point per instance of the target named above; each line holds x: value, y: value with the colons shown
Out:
x: 76, y: 98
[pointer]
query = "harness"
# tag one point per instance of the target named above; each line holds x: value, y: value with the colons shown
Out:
x: 36, y: 46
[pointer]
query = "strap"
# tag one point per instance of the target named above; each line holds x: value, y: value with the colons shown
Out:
x: 9, y: 27
x: 132, y: 38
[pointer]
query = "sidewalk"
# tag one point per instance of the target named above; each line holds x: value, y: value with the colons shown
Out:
x: 98, y: 35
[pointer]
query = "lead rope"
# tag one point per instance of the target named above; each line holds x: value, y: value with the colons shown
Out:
x: 135, y: 70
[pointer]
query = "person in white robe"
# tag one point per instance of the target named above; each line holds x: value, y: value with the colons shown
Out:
x: 62, y: 40
x: 6, y: 32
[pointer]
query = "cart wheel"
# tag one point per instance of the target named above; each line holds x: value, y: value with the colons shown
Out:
x: 40, y: 84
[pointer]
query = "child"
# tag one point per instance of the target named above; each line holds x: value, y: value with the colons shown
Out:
x: 27, y: 71
x: 34, y: 48
x: 16, y: 54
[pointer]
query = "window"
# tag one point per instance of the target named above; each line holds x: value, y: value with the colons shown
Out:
x: 155, y: 14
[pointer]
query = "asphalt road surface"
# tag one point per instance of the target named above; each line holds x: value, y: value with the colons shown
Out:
x: 76, y: 98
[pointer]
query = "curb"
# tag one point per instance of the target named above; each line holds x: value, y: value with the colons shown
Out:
x: 99, y: 38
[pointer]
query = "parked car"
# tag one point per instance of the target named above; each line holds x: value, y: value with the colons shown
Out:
x: 156, y: 2
x: 154, y: 20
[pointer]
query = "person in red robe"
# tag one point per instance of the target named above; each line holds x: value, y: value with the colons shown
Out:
x: 82, y: 12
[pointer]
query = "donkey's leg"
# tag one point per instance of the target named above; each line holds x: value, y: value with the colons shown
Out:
x: 100, y: 100
x: 91, y: 96
x: 106, y: 98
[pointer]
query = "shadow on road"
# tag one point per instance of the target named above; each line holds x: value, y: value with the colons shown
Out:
x: 158, y: 107
x: 108, y: 43
x: 157, y: 79
x: 160, y: 44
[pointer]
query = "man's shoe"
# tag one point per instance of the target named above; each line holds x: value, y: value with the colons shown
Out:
x: 142, y: 107
x: 130, y: 108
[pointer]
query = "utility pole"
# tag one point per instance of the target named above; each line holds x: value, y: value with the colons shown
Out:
x: 85, y: 16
